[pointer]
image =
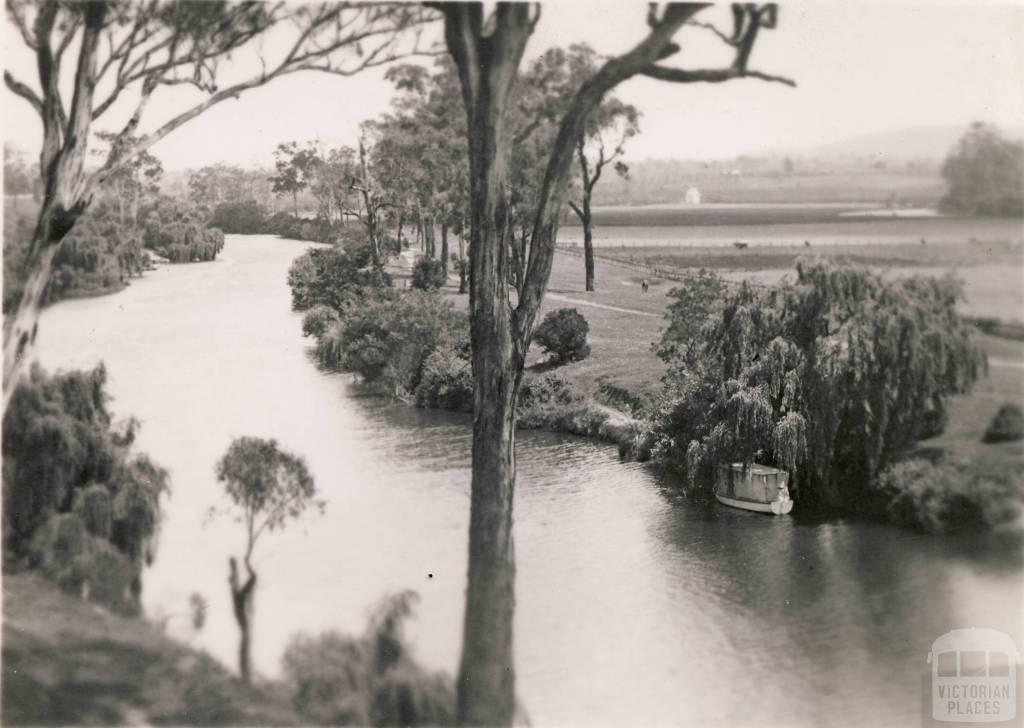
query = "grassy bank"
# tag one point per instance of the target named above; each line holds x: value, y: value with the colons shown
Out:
x: 66, y: 661
x: 765, y: 257
x: 622, y: 373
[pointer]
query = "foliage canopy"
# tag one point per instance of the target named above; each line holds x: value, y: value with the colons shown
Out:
x: 985, y: 174
x: 833, y: 376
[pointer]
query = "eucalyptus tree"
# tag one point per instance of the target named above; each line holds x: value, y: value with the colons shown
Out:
x: 18, y: 175
x: 376, y: 198
x: 396, y: 161
x: 133, y: 181
x: 294, y: 170
x: 488, y: 52
x: 268, y: 487
x: 429, y: 102
x: 135, y: 49
x: 332, y: 173
x: 214, y: 184
x: 602, y: 145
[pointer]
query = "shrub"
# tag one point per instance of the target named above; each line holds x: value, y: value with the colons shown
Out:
x: 284, y: 224
x: 179, y: 232
x: 547, y: 389
x: 428, y: 274
x: 242, y: 218
x: 184, y: 241
x: 447, y: 381
x: 563, y: 335
x: 77, y: 504
x: 699, y: 295
x: 64, y: 551
x: 352, y: 237
x: 317, y: 320
x: 634, y: 403
x: 329, y: 677
x: 950, y: 495
x: 335, y: 278
x: 99, y: 255
x: 1007, y: 425
x: 406, y: 695
x: 388, y: 340
x: 370, y: 680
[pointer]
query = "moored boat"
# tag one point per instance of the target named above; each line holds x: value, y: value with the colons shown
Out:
x: 754, y: 487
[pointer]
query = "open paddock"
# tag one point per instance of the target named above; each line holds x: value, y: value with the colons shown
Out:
x: 767, y: 226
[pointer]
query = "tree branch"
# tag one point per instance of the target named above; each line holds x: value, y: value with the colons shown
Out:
x: 20, y: 23
x: 69, y: 35
x: 20, y: 89
x: 294, y: 61
x: 642, y: 59
x: 52, y: 105
x: 711, y: 26
x: 577, y: 210
x: 710, y: 75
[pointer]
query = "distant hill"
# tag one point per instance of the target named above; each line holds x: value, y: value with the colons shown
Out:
x: 913, y: 142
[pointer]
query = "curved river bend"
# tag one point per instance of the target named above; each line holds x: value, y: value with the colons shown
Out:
x: 634, y: 606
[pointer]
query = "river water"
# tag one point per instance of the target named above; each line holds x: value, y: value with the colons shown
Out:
x: 633, y: 605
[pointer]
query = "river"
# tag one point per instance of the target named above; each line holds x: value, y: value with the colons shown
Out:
x: 633, y: 605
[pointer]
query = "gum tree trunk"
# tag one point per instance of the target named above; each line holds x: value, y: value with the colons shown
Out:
x: 588, y: 245
x: 242, y: 601
x: 487, y: 68
x: 444, y: 249
x: 65, y: 186
x: 487, y: 54
x: 583, y: 212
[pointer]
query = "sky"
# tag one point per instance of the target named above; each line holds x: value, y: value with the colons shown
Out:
x: 860, y: 68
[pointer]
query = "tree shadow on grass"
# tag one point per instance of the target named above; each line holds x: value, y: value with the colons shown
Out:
x: 544, y: 366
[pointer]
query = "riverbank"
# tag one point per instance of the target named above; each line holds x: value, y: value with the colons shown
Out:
x: 66, y: 661
x: 620, y: 579
x: 615, y: 388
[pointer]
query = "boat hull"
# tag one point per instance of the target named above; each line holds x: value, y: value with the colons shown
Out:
x: 778, y: 507
x: 754, y: 487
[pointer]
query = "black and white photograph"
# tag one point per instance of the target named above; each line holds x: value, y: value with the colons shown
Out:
x: 554, y: 363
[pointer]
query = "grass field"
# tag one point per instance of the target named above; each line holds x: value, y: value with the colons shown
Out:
x: 621, y: 342
x: 649, y: 184
x: 625, y: 322
x: 676, y: 215
x: 847, y: 232
x: 742, y: 214
x: 770, y: 257
x: 992, y: 273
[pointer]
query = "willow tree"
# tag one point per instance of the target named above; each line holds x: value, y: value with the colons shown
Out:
x: 126, y: 52
x: 487, y: 52
x: 834, y: 376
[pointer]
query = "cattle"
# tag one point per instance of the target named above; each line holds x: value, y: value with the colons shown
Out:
x: 644, y: 285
